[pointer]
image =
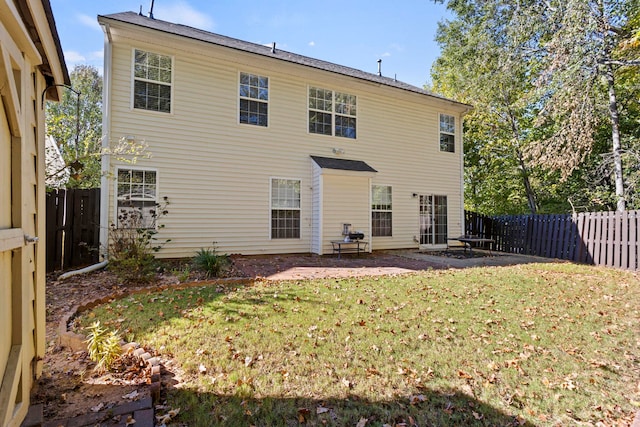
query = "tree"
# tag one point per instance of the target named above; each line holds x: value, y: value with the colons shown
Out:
x: 482, y: 64
x: 75, y: 123
x: 578, y: 82
x: 79, y: 136
x: 546, y: 78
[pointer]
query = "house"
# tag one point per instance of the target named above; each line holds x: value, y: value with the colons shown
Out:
x: 31, y: 67
x: 264, y: 151
x: 56, y: 170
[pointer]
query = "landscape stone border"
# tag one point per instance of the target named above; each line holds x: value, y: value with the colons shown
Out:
x: 77, y: 342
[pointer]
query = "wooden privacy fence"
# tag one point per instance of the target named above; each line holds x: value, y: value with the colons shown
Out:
x: 73, y: 228
x: 599, y: 238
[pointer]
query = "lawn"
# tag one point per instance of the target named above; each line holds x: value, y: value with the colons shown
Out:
x: 537, y: 344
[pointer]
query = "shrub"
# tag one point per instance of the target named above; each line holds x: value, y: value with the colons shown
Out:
x: 210, y: 262
x: 103, y: 346
x: 132, y: 244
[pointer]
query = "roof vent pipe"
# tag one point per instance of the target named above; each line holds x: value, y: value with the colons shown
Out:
x: 140, y: 13
x: 380, y: 67
x: 273, y: 47
x: 151, y: 10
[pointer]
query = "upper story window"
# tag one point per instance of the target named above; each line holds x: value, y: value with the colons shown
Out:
x: 381, y: 212
x: 332, y: 113
x: 447, y: 133
x: 136, y: 198
x: 254, y: 99
x: 152, y: 81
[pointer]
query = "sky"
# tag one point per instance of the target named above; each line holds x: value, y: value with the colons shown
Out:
x: 353, y: 33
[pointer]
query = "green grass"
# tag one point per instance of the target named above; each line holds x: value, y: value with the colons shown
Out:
x: 538, y: 344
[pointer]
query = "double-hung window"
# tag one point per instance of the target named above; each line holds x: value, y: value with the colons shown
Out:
x: 381, y: 212
x: 285, y: 208
x: 152, y: 81
x: 136, y: 198
x: 332, y: 113
x: 447, y: 133
x: 254, y: 99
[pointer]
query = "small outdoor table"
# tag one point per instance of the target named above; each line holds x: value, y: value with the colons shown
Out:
x: 351, y: 246
x: 468, y: 241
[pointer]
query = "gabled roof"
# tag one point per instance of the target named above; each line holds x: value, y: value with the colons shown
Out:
x: 258, y: 49
x: 342, y: 164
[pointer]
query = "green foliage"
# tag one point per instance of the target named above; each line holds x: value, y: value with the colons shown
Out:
x: 542, y: 135
x: 133, y: 243
x: 103, y: 346
x: 61, y: 124
x: 211, y: 262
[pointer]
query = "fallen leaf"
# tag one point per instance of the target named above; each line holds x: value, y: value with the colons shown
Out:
x: 362, y: 422
x: 131, y: 395
x: 303, y: 413
x: 202, y: 369
x: 130, y: 421
x: 97, y: 408
x: 463, y: 374
x: 414, y: 400
x: 347, y: 383
x: 321, y: 410
x: 477, y: 416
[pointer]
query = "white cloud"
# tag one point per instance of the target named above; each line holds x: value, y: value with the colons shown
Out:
x: 88, y: 21
x: 312, y: 43
x: 385, y: 55
x: 73, y: 57
x: 96, y: 54
x: 182, y: 13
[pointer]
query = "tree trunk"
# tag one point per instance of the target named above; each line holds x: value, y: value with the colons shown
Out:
x: 615, y: 140
x: 531, y: 197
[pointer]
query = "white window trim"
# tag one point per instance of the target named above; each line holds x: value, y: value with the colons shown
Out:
x: 378, y: 210
x: 115, y: 187
x: 238, y: 98
x: 333, y: 113
x: 271, y: 178
x: 441, y: 132
x: 133, y: 79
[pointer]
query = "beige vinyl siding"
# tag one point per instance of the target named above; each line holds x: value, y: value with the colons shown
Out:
x: 216, y: 172
x: 346, y: 200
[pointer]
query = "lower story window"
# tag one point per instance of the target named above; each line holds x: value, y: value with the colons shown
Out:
x: 136, y: 198
x: 285, y: 208
x: 433, y: 220
x: 381, y: 214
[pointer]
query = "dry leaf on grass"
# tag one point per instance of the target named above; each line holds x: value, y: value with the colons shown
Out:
x: 303, y: 415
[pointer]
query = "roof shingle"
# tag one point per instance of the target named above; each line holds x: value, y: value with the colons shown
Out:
x: 217, y: 39
x: 342, y: 164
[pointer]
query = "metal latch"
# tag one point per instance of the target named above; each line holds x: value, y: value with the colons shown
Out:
x: 30, y: 239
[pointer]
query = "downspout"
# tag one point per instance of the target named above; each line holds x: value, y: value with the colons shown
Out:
x: 106, y: 137
x: 104, y: 179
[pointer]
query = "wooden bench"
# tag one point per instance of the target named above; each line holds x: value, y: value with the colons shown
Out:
x: 352, y: 246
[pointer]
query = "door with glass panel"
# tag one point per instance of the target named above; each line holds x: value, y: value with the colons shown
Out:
x: 433, y: 220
